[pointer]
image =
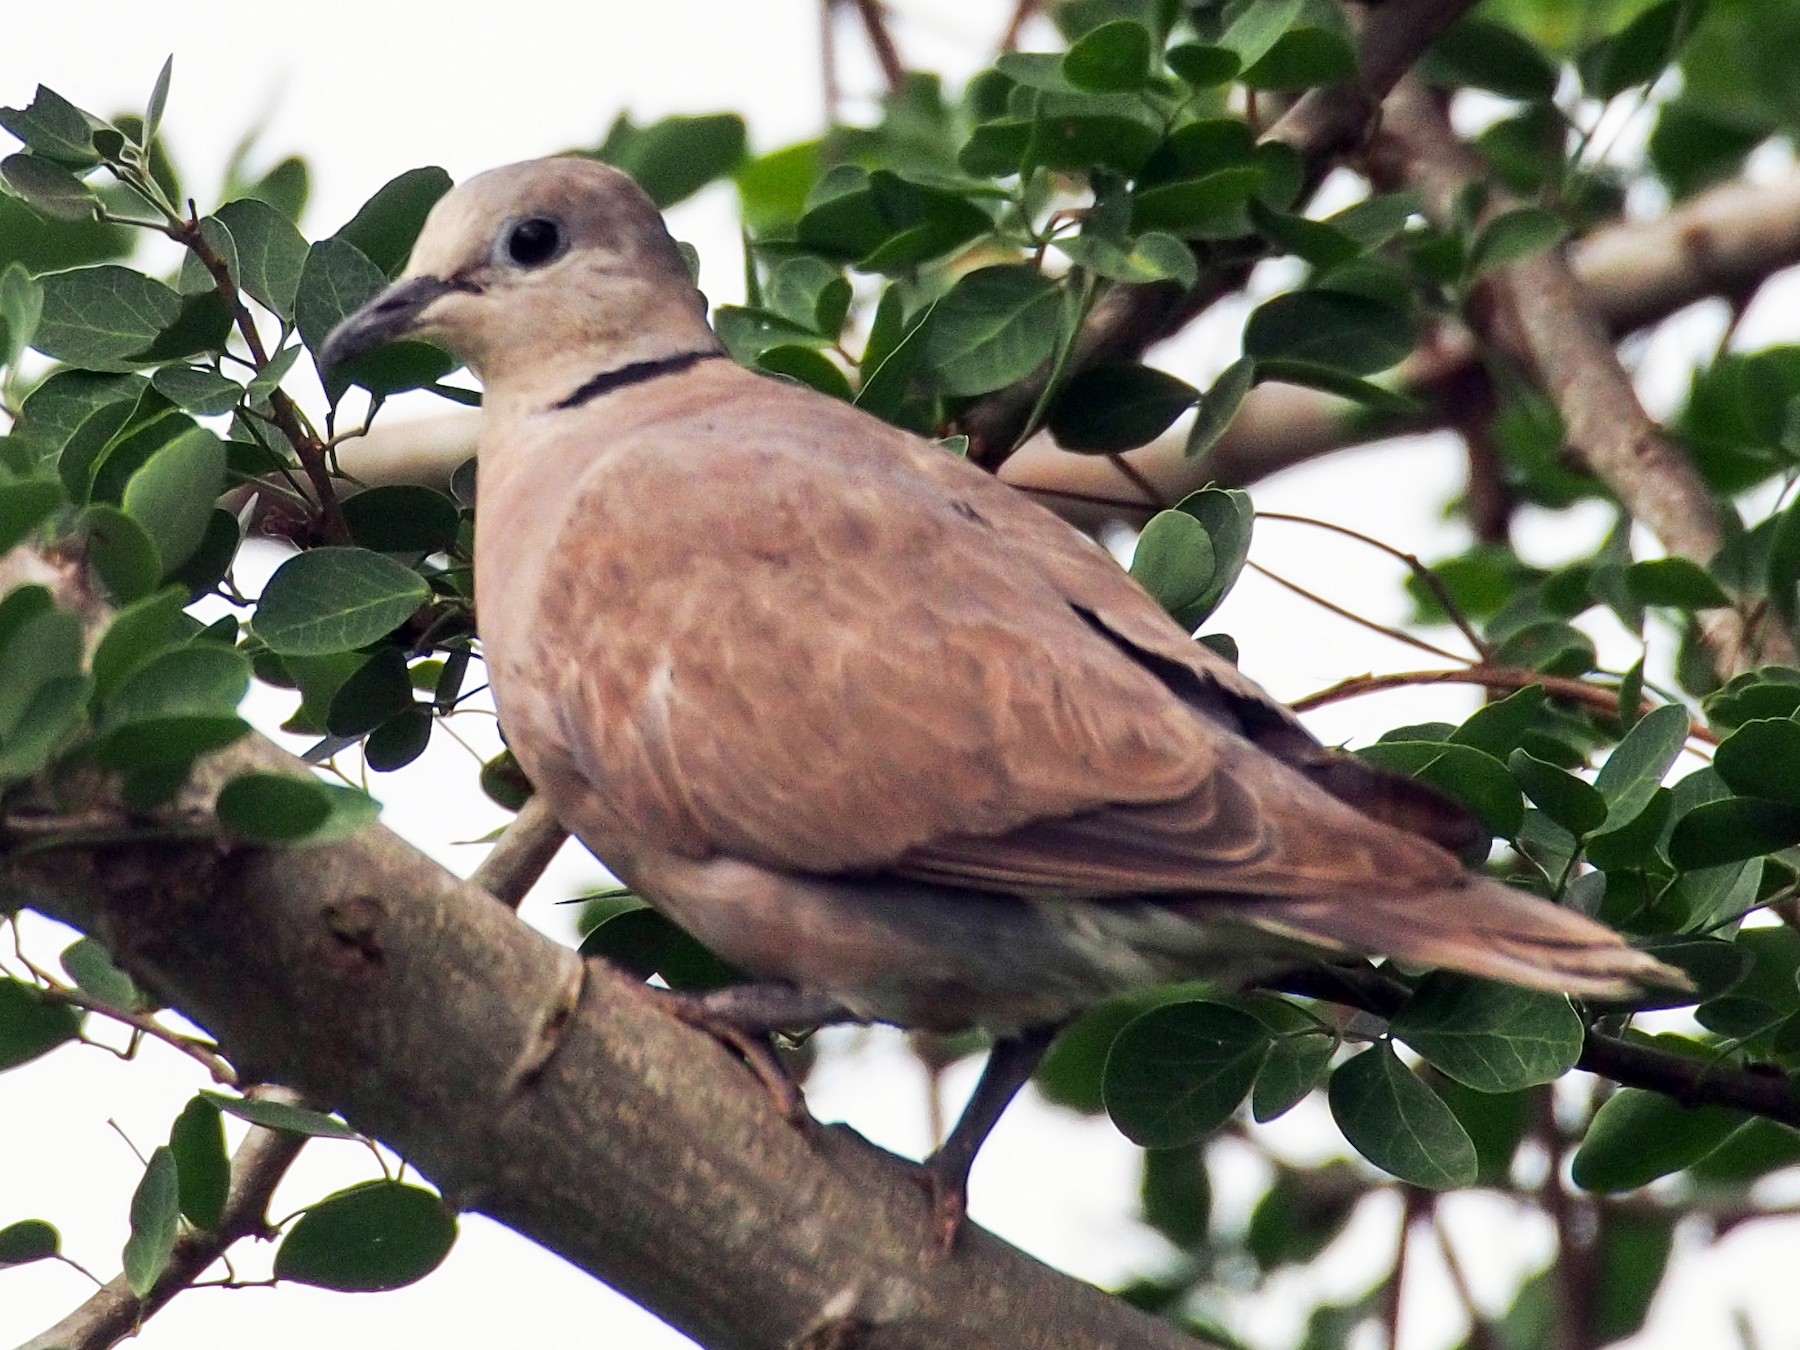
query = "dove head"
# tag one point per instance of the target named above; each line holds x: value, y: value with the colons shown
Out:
x: 545, y: 272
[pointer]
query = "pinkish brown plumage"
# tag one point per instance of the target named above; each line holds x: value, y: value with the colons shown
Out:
x: 864, y: 720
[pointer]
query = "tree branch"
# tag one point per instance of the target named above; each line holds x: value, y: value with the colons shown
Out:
x: 1540, y: 315
x: 1635, y: 274
x: 551, y: 1093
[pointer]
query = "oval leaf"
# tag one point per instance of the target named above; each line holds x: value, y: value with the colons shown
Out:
x: 1396, y: 1122
x: 1175, y: 1074
x: 1491, y: 1037
x: 335, y: 600
x: 382, y: 1235
x: 1638, y: 1136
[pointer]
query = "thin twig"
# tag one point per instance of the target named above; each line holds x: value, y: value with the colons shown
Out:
x: 521, y: 854
x: 113, y: 1312
x: 1398, y: 634
x: 1021, y: 15
x: 286, y: 415
x: 1481, y: 1333
x: 1598, y: 698
x: 1427, y: 578
x: 881, y: 42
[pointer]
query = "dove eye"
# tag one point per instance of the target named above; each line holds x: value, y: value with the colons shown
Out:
x: 534, y: 242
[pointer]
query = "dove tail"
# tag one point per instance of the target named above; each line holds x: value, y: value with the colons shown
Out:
x: 1482, y: 928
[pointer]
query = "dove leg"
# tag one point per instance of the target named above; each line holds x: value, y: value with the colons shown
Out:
x: 946, y: 1172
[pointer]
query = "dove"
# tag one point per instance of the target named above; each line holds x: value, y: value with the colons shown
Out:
x: 882, y: 732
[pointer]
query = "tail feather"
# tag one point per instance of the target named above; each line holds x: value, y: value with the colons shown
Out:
x: 1482, y: 928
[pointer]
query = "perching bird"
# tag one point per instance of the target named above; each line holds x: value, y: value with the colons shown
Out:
x: 876, y: 728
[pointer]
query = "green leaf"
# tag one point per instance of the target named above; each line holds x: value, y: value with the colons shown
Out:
x: 281, y: 1116
x: 1573, y: 803
x: 1497, y: 728
x: 1758, y: 759
x: 1638, y: 1136
x: 101, y: 317
x: 1296, y: 1065
x: 676, y: 157
x: 271, y: 253
x: 1175, y: 1074
x: 155, y: 1219
x: 1491, y: 1037
x: 1399, y: 1124
x: 178, y: 706
x: 1306, y: 55
x: 1636, y: 768
x: 1150, y: 257
x: 172, y: 494
x: 1256, y: 28
x: 1113, y: 58
x: 197, y: 1141
x: 402, y: 518
x: 335, y: 281
x: 885, y: 223
x: 91, y: 967
x: 30, y: 1025
x: 384, y: 227
x: 1345, y: 332
x: 27, y: 1241
x: 1715, y: 833
x: 44, y: 646
x: 1675, y: 582
x: 1072, y: 1073
x: 273, y: 808
x: 55, y: 128
x: 24, y: 505
x: 1331, y: 380
x: 1514, y: 236
x: 51, y: 189
x: 1174, y: 562
x: 1201, y: 66
x: 1108, y: 408
x: 1782, y: 576
x: 1479, y: 781
x: 812, y: 293
x: 334, y: 600
x: 1218, y: 405
x: 1079, y: 133
x: 398, y: 741
x: 994, y: 328
x: 809, y: 367
x: 205, y: 393
x: 1494, y: 57
x: 1229, y: 518
x: 1640, y: 51
x: 1209, y: 207
x: 380, y: 1235
x: 1550, y: 646
x: 159, y: 99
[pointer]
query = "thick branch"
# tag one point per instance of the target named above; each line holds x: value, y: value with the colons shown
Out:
x: 1541, y: 315
x: 552, y: 1094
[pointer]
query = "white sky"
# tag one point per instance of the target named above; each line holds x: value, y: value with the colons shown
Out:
x: 369, y: 89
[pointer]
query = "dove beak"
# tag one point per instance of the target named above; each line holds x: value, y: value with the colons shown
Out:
x: 396, y: 313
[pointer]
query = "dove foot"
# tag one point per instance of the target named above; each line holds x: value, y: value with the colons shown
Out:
x: 742, y: 1017
x: 945, y: 1174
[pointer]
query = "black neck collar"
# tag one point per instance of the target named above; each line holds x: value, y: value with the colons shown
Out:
x: 635, y: 373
